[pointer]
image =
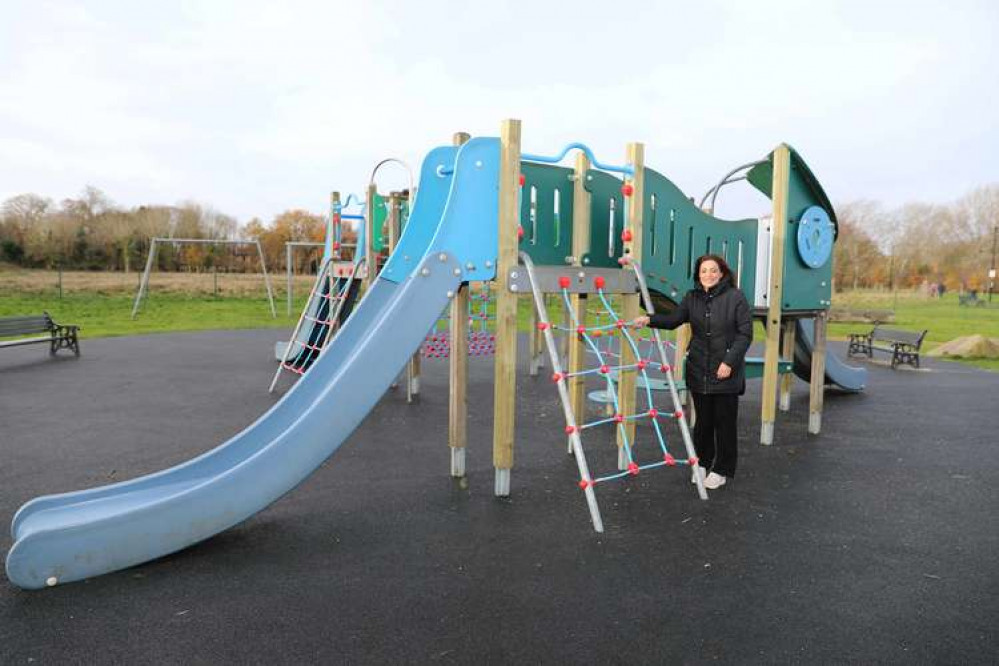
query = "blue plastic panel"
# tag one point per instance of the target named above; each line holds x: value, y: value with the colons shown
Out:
x: 815, y: 237
x: 436, y: 176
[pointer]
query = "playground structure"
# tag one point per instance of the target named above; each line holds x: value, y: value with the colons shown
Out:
x: 485, y: 212
x: 339, y: 282
x: 143, y: 289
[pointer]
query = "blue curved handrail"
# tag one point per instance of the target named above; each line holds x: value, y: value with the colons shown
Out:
x: 350, y: 197
x: 627, y: 169
x: 353, y: 197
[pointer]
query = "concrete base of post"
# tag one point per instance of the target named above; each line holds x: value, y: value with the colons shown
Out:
x: 502, y: 488
x: 458, y: 463
x: 622, y: 459
x: 815, y: 423
x: 785, y: 402
x: 413, y: 386
x: 767, y: 433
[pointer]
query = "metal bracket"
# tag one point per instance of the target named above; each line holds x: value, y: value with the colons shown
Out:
x: 581, y: 280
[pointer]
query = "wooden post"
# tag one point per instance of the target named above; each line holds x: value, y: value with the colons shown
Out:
x: 631, y: 303
x: 335, y: 228
x: 779, y: 194
x: 534, y: 343
x: 787, y: 354
x: 394, y: 220
x: 505, y: 382
x: 580, y: 246
x: 457, y: 435
x: 816, y: 387
x: 370, y: 260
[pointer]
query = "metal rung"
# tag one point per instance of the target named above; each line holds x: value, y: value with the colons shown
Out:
x: 581, y: 280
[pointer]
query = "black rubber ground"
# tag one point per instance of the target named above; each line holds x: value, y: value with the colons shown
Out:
x: 875, y: 542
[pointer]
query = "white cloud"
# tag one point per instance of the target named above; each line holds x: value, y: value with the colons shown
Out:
x: 257, y: 107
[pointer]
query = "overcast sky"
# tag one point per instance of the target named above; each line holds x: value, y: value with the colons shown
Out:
x: 257, y: 107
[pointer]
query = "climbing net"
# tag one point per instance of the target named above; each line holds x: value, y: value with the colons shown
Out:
x: 329, y: 303
x: 609, y: 366
x: 481, y: 328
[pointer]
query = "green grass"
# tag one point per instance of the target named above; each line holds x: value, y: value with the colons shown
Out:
x: 109, y: 314
x: 943, y: 318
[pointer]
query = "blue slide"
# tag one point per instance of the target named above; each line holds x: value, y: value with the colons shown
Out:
x: 450, y: 238
x: 839, y: 374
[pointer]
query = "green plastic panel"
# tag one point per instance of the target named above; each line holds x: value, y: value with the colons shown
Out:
x: 546, y: 213
x: 381, y: 214
x: 676, y: 232
x: 606, y: 220
x: 804, y: 288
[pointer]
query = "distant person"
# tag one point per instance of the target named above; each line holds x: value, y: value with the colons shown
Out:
x: 941, y: 290
x: 722, y: 327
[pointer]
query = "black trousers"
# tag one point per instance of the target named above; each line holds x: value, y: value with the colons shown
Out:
x: 715, y: 432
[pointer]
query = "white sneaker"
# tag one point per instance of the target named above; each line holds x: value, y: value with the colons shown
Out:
x: 697, y: 470
x: 714, y: 481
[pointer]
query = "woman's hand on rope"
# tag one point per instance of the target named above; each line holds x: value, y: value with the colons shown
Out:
x: 724, y: 371
x: 640, y: 322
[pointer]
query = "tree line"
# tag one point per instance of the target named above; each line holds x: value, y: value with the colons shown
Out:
x: 878, y: 247
x: 917, y: 243
x: 91, y: 232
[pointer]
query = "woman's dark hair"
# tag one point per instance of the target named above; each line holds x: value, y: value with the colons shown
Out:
x: 726, y: 272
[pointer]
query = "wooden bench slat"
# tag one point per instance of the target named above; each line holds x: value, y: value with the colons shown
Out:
x: 25, y: 341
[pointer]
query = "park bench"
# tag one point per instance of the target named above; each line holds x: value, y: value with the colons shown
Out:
x: 971, y: 299
x: 902, y: 345
x: 59, y: 336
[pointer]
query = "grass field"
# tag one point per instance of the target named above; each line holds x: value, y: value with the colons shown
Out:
x: 101, y: 303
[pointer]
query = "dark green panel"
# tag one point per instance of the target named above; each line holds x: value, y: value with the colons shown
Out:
x: 547, y: 233
x: 805, y: 288
x: 676, y: 232
x: 604, y: 189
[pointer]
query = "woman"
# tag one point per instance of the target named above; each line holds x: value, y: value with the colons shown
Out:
x: 722, y: 327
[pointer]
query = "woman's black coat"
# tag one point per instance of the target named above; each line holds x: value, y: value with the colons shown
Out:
x: 722, y: 328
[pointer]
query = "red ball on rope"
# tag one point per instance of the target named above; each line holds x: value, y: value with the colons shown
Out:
x: 653, y: 413
x: 678, y: 414
x: 564, y: 281
x: 570, y: 429
x: 604, y: 369
x: 626, y: 235
x: 542, y: 326
x: 584, y: 484
x: 599, y: 282
x: 522, y: 180
x: 633, y: 469
x: 670, y: 460
x: 520, y: 232
x: 557, y: 377
x: 619, y: 418
x: 627, y: 189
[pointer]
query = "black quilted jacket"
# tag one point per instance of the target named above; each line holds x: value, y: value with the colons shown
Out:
x: 722, y: 329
